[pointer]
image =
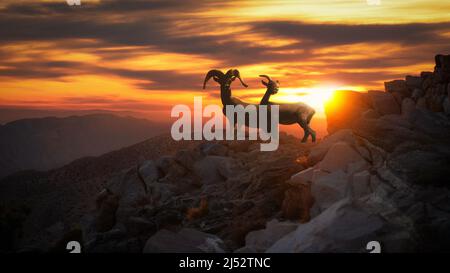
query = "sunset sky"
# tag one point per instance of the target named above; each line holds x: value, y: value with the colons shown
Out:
x: 146, y: 56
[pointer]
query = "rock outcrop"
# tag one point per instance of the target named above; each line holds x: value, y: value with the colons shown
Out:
x: 205, y: 199
x: 384, y: 177
x: 185, y: 241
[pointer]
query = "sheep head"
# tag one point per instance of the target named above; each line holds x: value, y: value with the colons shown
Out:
x: 223, y: 79
x: 272, y: 86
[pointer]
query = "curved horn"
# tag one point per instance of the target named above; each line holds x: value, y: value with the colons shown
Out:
x: 267, y: 77
x: 238, y: 75
x: 212, y: 73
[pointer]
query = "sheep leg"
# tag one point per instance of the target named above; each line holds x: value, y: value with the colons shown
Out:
x: 308, y: 119
x: 304, y: 126
x: 311, y: 131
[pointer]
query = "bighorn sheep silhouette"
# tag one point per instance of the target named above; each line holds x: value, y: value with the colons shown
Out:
x: 289, y: 113
x: 225, y: 80
x: 272, y: 89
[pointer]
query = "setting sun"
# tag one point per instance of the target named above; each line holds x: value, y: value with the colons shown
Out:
x: 315, y: 96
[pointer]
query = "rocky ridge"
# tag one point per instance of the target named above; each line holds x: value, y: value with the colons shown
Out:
x: 380, y: 175
x: 203, y: 199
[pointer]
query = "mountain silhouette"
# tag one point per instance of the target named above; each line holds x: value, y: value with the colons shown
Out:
x: 46, y: 143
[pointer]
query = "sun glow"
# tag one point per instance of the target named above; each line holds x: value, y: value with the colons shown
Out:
x: 316, y: 97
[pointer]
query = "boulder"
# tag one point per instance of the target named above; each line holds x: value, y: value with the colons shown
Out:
x: 186, y: 240
x: 260, y: 240
x: 186, y: 158
x: 435, y: 97
x: 302, y: 177
x: 442, y: 68
x: 408, y: 106
x: 318, y: 173
x: 426, y: 74
x: 347, y: 226
x: 339, y: 156
x: 446, y: 106
x: 360, y: 184
x: 427, y: 80
x: 370, y: 114
x: 399, y: 86
x: 436, y: 126
x: 149, y: 172
x: 173, y: 172
x: 160, y: 192
x: 343, y: 108
x: 358, y: 166
x: 164, y: 163
x: 297, y: 203
x: 107, y: 204
x: 398, y: 97
x: 421, y: 104
x: 413, y: 82
x: 329, y: 189
x: 131, y: 190
x: 435, y: 103
x: 388, y: 131
x: 213, y: 169
x: 319, y: 151
x: 383, y: 102
x: 416, y: 165
x: 417, y: 93
x: 443, y: 61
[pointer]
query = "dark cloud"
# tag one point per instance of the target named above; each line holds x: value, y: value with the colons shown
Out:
x: 150, y: 79
x: 159, y: 79
x: 42, y: 69
x: 145, y: 26
x: 111, y: 6
x: 153, y: 33
x: 341, y: 34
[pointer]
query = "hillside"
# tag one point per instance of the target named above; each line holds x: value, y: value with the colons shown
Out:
x: 61, y: 196
x: 46, y: 143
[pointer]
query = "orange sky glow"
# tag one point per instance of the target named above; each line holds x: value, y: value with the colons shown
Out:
x: 143, y: 57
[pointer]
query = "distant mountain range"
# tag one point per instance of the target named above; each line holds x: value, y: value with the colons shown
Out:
x: 9, y: 114
x: 63, y: 195
x: 47, y: 143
